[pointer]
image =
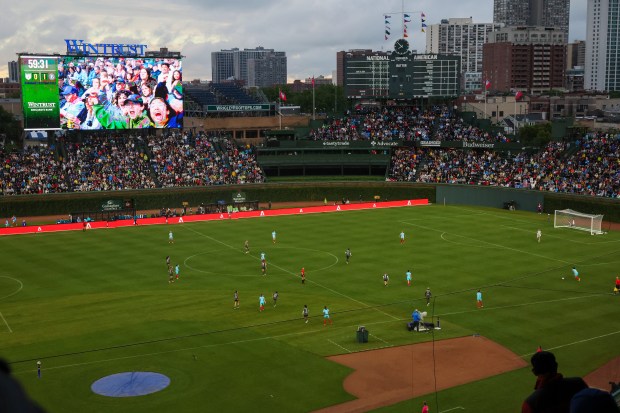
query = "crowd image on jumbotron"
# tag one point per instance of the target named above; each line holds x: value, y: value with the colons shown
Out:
x: 120, y: 92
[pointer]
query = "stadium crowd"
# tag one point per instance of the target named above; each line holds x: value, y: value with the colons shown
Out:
x: 206, y: 161
x: 591, y: 166
x: 113, y: 162
x: 105, y: 164
x: 31, y: 172
x: 438, y: 123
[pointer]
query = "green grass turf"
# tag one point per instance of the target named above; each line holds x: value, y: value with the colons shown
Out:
x: 98, y: 303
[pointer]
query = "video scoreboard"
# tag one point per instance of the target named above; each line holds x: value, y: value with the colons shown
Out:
x: 400, y: 74
x: 40, y: 103
x: 84, y: 92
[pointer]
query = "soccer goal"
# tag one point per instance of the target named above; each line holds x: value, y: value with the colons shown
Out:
x: 567, y: 218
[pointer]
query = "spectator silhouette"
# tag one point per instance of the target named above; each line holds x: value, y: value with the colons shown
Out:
x: 553, y: 392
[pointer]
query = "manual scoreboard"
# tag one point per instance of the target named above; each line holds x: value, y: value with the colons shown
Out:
x: 401, y: 74
x: 40, y: 98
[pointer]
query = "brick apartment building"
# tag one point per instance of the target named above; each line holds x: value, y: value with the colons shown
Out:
x: 528, y: 59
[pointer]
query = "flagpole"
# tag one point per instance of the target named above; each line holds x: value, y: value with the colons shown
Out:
x: 313, y: 104
x: 515, y: 122
x: 279, y: 109
x: 335, y: 99
x: 402, y: 8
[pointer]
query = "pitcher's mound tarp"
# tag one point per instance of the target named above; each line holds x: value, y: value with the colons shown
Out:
x: 129, y: 384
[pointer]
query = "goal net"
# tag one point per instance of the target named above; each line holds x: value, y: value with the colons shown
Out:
x: 567, y: 218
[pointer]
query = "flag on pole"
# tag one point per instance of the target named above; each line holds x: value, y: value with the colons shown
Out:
x: 312, y: 81
x: 487, y: 84
x: 282, y: 95
x: 518, y: 95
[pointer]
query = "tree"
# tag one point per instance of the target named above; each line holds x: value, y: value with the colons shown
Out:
x: 537, y: 135
x: 9, y: 126
x: 327, y: 98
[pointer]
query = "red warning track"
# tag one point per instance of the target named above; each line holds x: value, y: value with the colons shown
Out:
x: 210, y: 217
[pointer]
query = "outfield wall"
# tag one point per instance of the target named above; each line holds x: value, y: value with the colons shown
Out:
x: 488, y: 196
x: 155, y: 199
x: 527, y: 200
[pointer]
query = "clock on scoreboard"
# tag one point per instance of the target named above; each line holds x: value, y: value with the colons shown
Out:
x: 39, y: 70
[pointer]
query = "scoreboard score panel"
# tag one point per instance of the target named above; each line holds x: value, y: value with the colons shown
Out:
x: 402, y: 76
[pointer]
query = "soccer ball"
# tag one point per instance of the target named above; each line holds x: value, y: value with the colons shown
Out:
x: 562, y: 277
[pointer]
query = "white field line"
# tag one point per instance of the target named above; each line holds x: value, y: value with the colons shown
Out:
x: 546, y: 234
x: 585, y: 340
x: 485, y: 242
x: 7, y: 324
x: 518, y: 305
x: 454, y: 408
x: 336, y: 344
x: 298, y: 333
x: 380, y: 339
x: 21, y: 286
x: 293, y: 274
x: 524, y: 221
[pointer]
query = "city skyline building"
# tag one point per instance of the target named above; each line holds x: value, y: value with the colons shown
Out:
x: 255, y: 67
x: 576, y: 54
x: 539, y: 13
x: 602, y: 64
x: 526, y: 59
x: 13, y: 71
x: 464, y: 38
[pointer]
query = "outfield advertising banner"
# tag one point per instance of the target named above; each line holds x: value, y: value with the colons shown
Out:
x: 39, y: 82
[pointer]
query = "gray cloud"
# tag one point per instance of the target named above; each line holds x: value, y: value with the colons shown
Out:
x: 310, y: 32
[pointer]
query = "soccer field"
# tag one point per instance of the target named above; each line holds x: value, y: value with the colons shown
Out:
x: 95, y: 303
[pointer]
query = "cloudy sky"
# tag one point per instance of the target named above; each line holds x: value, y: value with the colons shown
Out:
x: 310, y: 31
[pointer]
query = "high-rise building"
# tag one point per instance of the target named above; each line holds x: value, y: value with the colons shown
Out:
x: 511, y: 12
x: 256, y: 67
x: 576, y: 54
x: 602, y: 65
x: 267, y: 70
x: 544, y: 13
x: 464, y: 38
x: 528, y: 59
x: 13, y: 72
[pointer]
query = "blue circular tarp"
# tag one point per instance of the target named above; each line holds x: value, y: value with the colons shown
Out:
x: 129, y: 384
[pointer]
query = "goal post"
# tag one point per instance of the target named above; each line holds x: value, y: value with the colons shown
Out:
x: 568, y: 218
